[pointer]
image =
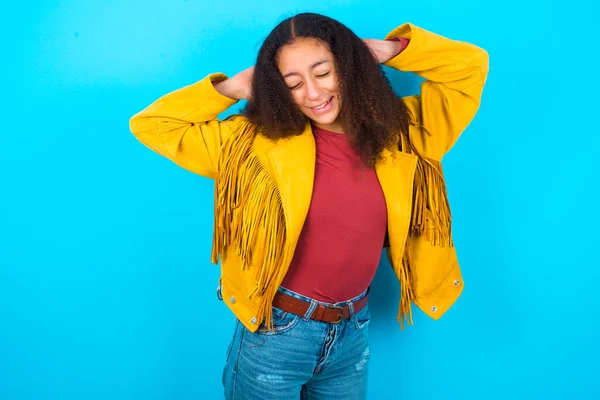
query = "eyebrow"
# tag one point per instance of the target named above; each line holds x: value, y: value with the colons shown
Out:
x: 315, y: 65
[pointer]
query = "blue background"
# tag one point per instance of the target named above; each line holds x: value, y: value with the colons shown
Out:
x: 106, y: 290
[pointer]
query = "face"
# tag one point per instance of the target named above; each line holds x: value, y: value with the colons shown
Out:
x: 307, y: 67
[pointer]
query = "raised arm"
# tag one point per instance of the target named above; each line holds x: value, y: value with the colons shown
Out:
x: 455, y: 74
x: 183, y: 124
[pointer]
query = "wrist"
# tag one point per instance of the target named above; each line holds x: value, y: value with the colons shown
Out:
x: 230, y: 88
x: 384, y: 50
x: 402, y: 41
x: 392, y: 49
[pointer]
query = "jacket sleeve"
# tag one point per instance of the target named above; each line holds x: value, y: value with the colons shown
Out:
x: 183, y: 125
x: 454, y: 72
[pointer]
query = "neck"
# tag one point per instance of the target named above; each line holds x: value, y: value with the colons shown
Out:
x: 333, y: 127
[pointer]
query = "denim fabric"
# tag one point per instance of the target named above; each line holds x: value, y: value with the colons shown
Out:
x: 300, y: 359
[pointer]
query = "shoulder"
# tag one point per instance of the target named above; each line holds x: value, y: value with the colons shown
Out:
x: 246, y: 136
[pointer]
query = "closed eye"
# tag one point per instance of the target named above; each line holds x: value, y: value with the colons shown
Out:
x: 300, y: 83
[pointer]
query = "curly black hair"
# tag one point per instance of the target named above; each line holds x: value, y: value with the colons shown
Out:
x: 371, y: 113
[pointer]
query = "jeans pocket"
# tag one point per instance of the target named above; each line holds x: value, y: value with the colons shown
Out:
x: 283, y: 321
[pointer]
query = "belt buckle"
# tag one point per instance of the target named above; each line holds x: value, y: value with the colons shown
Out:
x: 341, y: 313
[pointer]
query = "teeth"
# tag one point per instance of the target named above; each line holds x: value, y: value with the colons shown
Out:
x: 323, y: 105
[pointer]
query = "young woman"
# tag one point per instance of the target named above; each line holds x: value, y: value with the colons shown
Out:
x: 324, y: 168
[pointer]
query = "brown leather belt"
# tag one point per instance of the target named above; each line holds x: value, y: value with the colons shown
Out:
x: 326, y: 313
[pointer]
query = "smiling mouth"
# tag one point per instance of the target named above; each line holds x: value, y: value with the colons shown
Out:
x: 322, y: 105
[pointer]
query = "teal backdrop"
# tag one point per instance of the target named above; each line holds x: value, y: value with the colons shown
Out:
x: 106, y: 289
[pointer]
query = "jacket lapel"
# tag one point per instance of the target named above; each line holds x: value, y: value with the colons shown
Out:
x: 395, y: 173
x: 293, y: 163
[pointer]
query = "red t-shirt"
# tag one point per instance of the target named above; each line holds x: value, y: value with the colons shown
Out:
x: 341, y: 242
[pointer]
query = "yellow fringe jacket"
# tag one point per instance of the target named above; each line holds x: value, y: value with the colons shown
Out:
x: 263, y: 188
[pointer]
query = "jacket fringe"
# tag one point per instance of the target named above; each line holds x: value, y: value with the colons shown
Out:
x: 249, y: 216
x: 430, y: 217
x: 430, y: 199
x: 407, y: 291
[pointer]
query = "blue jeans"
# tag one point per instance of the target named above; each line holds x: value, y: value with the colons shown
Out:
x: 301, y: 359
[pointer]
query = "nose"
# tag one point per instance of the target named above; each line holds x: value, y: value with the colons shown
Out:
x: 312, y: 90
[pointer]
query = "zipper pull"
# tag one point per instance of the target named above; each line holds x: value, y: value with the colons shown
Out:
x: 219, y: 293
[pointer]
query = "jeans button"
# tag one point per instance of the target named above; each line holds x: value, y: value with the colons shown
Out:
x: 253, y: 321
